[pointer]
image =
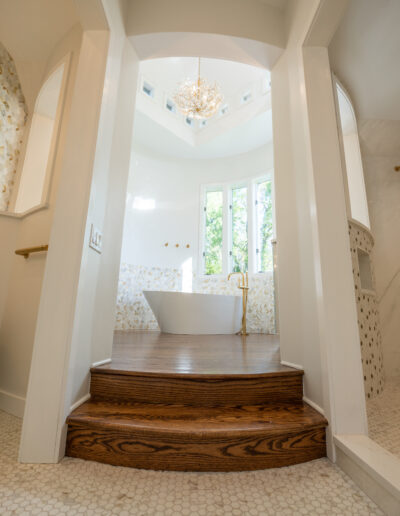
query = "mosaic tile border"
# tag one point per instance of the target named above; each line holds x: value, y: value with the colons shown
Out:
x: 367, y: 313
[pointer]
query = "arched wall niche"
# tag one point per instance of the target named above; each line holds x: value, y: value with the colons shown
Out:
x: 35, y: 172
x: 361, y: 245
x: 354, y: 177
x: 13, y: 116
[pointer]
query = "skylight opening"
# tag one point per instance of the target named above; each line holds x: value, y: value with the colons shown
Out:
x: 224, y: 110
x: 148, y: 89
x: 246, y: 97
x: 170, y: 106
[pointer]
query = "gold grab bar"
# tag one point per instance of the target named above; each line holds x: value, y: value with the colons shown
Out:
x: 28, y: 250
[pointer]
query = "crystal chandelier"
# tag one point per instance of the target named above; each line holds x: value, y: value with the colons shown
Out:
x: 198, y: 99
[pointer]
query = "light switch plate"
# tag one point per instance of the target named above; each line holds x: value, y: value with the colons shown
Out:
x: 96, y: 238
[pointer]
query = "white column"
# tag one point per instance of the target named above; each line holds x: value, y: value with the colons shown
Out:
x: 77, y: 308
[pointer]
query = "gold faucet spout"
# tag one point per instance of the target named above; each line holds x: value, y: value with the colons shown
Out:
x: 242, y: 276
x: 244, y: 286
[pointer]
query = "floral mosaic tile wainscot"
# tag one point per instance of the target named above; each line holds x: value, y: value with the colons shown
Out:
x: 13, y: 114
x: 133, y: 312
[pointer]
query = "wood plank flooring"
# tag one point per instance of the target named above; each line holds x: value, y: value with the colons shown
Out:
x: 155, y: 352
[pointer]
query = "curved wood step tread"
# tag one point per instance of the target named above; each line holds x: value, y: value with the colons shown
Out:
x: 184, y: 438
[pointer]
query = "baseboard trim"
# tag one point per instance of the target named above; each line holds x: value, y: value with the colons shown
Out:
x: 101, y: 362
x: 80, y: 402
x: 314, y: 405
x: 375, y: 470
x: 12, y: 403
x: 289, y: 364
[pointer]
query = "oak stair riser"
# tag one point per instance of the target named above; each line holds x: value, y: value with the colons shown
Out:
x: 204, y: 390
x: 177, y: 452
x: 196, y: 422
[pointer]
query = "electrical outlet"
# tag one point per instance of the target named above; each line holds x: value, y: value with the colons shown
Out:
x: 96, y: 238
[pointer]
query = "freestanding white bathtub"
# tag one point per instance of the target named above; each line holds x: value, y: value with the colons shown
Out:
x: 195, y: 314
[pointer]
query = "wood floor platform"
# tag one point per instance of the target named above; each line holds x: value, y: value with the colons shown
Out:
x: 196, y: 403
x: 155, y: 352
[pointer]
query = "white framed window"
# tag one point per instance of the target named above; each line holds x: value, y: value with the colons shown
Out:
x: 237, y: 226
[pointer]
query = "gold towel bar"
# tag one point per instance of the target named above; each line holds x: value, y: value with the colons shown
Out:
x: 26, y: 252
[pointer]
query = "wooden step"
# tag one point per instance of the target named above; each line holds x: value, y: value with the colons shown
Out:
x: 188, y: 438
x: 199, y: 390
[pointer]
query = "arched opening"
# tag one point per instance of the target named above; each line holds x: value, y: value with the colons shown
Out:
x: 352, y: 156
x: 200, y: 192
x: 41, y: 144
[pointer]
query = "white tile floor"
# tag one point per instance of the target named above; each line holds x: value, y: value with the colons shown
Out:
x: 76, y: 487
x: 384, y: 417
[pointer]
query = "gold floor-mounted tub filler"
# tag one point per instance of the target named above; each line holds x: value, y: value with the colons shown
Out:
x: 243, y: 284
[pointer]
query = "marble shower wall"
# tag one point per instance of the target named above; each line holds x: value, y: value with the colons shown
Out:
x: 13, y: 115
x: 133, y: 312
x: 367, y: 314
x: 380, y: 148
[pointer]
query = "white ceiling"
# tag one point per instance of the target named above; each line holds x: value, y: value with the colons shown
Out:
x: 280, y: 4
x: 31, y: 28
x: 158, y: 140
x: 365, y: 54
x: 246, y: 126
x: 233, y: 77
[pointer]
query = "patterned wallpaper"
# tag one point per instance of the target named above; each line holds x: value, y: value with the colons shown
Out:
x: 368, y: 315
x: 133, y: 312
x: 13, y: 115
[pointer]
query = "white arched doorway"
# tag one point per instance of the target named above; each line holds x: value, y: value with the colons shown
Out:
x: 76, y: 331
x: 80, y: 333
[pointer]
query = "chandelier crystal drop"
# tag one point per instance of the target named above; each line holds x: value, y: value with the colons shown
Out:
x: 198, y: 99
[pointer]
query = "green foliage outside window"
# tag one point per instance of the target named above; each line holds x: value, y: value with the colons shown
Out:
x: 213, y: 236
x: 264, y: 226
x: 240, y: 255
x: 213, y: 262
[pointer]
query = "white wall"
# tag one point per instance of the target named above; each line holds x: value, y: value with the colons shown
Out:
x: 355, y: 179
x: 381, y: 153
x: 94, y: 175
x: 317, y: 310
x: 251, y: 19
x: 35, y: 163
x: 20, y: 293
x: 174, y: 186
